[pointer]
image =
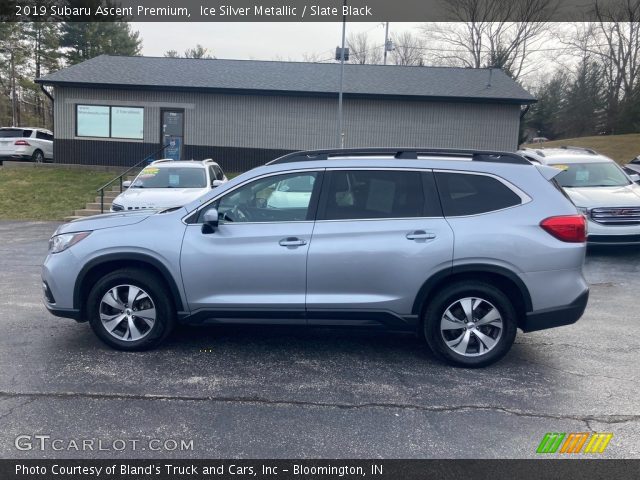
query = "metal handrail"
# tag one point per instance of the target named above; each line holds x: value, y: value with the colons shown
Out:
x: 101, y: 189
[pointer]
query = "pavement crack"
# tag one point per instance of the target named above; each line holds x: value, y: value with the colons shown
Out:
x: 583, y: 375
x: 22, y: 404
x: 608, y: 419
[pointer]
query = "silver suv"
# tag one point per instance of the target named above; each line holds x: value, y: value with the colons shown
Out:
x: 462, y: 246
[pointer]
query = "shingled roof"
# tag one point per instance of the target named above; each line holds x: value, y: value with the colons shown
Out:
x: 269, y: 77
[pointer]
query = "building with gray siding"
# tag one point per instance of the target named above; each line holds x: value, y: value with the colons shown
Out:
x: 117, y: 110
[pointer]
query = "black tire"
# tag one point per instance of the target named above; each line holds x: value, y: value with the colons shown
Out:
x: 165, y: 319
x: 37, y: 157
x: 445, y: 298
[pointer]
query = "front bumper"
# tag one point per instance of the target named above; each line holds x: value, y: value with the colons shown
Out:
x: 599, y: 234
x: 556, y: 317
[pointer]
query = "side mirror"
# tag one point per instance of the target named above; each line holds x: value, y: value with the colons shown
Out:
x: 210, y: 221
x: 635, y: 177
x: 126, y: 184
x: 216, y: 183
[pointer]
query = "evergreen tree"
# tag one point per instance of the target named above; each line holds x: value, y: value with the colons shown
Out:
x: 85, y: 40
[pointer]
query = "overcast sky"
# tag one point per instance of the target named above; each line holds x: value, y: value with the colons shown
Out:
x: 257, y: 40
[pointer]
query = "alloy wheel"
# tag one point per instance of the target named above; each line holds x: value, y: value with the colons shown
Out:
x: 127, y: 313
x: 471, y: 326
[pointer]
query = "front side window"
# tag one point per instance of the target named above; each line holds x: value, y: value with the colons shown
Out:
x: 369, y: 194
x: 469, y: 194
x: 278, y: 198
x: 605, y: 174
x: 170, y: 177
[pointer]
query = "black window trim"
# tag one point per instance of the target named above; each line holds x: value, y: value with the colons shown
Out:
x: 323, y: 197
x: 524, y: 197
x: 110, y: 107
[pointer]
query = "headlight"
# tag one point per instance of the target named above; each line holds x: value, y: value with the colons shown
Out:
x: 59, y: 243
x: 116, y: 207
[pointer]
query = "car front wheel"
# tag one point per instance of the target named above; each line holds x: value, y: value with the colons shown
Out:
x: 130, y: 309
x: 470, y: 324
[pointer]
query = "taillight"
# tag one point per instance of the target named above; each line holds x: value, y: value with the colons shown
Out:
x: 22, y: 142
x: 568, y: 228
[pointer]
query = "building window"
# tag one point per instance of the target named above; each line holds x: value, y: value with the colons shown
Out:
x: 109, y: 122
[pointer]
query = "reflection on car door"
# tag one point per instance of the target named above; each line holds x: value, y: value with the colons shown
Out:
x: 378, y: 236
x: 255, y: 261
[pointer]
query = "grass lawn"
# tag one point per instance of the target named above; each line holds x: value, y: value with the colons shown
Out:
x: 622, y: 148
x: 47, y: 193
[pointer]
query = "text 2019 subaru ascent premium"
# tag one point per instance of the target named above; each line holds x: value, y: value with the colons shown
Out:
x: 462, y: 246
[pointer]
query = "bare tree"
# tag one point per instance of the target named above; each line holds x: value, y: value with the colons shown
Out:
x: 408, y: 49
x: 494, y: 33
x: 197, y: 52
x: 171, y: 54
x: 362, y: 50
x: 613, y: 41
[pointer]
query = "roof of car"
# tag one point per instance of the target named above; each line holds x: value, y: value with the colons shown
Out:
x: 26, y: 128
x: 565, y: 155
x: 306, y: 78
x: 167, y: 162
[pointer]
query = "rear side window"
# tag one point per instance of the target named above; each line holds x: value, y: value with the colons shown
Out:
x: 218, y: 172
x: 44, y: 136
x: 468, y: 194
x: 366, y: 194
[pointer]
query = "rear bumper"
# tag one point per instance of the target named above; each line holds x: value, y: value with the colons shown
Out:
x: 556, y: 317
x: 14, y: 157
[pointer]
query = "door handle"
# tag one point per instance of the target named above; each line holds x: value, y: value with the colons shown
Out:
x: 420, y: 235
x: 292, y: 242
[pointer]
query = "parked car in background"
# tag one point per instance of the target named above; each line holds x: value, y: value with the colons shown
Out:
x: 633, y: 168
x: 26, y: 143
x: 169, y: 183
x: 539, y: 139
x: 461, y: 247
x: 601, y: 190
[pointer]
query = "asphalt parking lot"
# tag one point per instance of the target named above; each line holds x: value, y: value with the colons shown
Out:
x: 289, y: 393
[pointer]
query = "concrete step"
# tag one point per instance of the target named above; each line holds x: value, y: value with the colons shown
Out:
x: 87, y: 212
x: 72, y: 217
x: 108, y: 195
x: 96, y: 206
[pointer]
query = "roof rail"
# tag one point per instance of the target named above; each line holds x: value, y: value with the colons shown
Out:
x: 162, y: 160
x: 401, y: 153
x: 208, y: 160
x: 583, y: 149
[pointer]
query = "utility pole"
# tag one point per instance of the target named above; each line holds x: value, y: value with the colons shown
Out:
x: 386, y: 41
x: 339, y: 135
x: 14, y: 104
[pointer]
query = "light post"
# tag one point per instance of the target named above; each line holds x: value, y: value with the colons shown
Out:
x: 339, y: 134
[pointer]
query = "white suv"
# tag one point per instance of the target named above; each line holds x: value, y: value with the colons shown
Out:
x: 169, y: 183
x: 26, y: 143
x: 601, y: 190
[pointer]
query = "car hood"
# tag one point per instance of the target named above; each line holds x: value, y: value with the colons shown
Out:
x: 158, y: 197
x: 591, y: 197
x: 107, y: 220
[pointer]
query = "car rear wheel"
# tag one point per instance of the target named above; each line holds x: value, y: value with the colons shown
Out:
x: 130, y: 309
x: 470, y: 324
x: 38, y: 156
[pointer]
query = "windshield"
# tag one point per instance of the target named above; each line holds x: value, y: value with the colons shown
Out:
x: 170, y: 177
x: 591, y: 175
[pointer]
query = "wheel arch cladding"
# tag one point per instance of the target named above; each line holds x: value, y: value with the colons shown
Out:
x: 507, y: 281
x: 101, y: 266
